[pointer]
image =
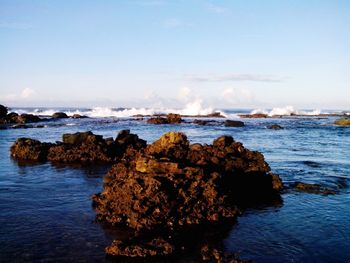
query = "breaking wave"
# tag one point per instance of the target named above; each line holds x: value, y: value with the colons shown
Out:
x: 287, y: 111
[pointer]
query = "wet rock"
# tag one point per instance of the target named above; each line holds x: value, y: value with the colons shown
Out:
x: 343, y: 122
x: 3, y: 111
x: 275, y: 127
x: 200, y: 122
x: 313, y: 188
x: 155, y: 247
x: 211, y: 254
x: 230, y: 123
x: 25, y: 149
x: 78, y: 116
x: 255, y: 115
x: 14, y: 118
x: 171, y: 183
x: 171, y: 118
x: 59, y: 115
x: 80, y: 147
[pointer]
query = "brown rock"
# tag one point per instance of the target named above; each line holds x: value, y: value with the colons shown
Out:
x: 313, y: 188
x: 275, y: 127
x: 171, y: 118
x: 59, y: 115
x: 25, y: 149
x: 255, y: 115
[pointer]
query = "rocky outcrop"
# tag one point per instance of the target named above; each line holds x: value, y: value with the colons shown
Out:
x: 230, y: 123
x: 171, y: 118
x: 172, y: 184
x: 59, y: 115
x: 275, y: 127
x: 342, y: 122
x: 14, y: 118
x: 25, y: 149
x: 78, y: 116
x: 80, y: 147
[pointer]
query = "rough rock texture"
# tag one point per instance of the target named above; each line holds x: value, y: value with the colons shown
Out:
x: 343, y: 122
x: 14, y: 118
x: 172, y: 184
x: 80, y: 147
x: 25, y: 149
x: 313, y: 188
x: 59, y: 115
x: 78, y: 116
x: 171, y: 118
x: 155, y: 247
x: 230, y: 123
x: 275, y: 127
x: 210, y: 254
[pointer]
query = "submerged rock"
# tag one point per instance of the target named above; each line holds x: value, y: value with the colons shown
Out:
x: 230, y: 123
x: 313, y: 188
x: 343, y: 122
x: 172, y: 184
x: 275, y: 127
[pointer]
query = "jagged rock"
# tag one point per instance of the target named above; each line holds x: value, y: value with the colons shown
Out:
x: 343, y: 122
x: 313, y: 188
x: 25, y: 149
x: 80, y: 147
x: 59, y: 115
x: 3, y: 111
x: 155, y: 247
x: 230, y: 123
x: 171, y: 183
x: 171, y: 118
x: 13, y: 117
x: 200, y: 122
x: 275, y: 127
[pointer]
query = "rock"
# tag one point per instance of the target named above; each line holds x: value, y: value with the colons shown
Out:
x: 215, y: 115
x: 59, y: 115
x: 80, y: 147
x: 171, y: 118
x: 230, y: 123
x: 155, y: 247
x: 200, y: 122
x: 172, y: 184
x: 3, y: 111
x: 78, y: 116
x: 255, y: 115
x: 313, y: 188
x: 212, y: 254
x: 275, y: 127
x: 343, y: 122
x: 13, y: 117
x: 25, y: 149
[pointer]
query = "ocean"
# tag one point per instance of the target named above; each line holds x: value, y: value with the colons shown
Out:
x: 46, y: 211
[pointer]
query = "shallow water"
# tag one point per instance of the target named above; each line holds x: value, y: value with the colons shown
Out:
x: 46, y: 213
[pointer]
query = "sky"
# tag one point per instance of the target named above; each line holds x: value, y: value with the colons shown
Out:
x: 155, y: 53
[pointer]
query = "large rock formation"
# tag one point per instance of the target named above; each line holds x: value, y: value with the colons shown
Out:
x: 80, y: 147
x: 172, y: 184
x: 3, y: 111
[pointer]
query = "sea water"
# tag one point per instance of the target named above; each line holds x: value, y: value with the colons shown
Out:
x: 46, y: 213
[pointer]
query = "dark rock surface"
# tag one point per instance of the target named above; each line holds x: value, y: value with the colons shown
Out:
x: 14, y: 118
x: 275, y: 127
x: 59, y: 115
x: 230, y: 123
x: 172, y: 184
x: 255, y: 115
x: 3, y: 111
x: 171, y: 118
x: 80, y: 147
x: 78, y: 116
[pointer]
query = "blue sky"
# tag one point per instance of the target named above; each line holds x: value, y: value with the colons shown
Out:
x: 168, y: 53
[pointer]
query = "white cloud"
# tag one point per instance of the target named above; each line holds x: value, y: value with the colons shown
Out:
x: 235, y: 95
x: 232, y: 77
x: 26, y: 93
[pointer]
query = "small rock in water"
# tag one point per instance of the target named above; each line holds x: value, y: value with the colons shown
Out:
x: 343, y: 122
x: 275, y: 127
x: 313, y: 188
x: 59, y: 115
x: 230, y: 123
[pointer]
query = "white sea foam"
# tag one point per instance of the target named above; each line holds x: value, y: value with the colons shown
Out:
x: 287, y: 111
x: 191, y: 109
